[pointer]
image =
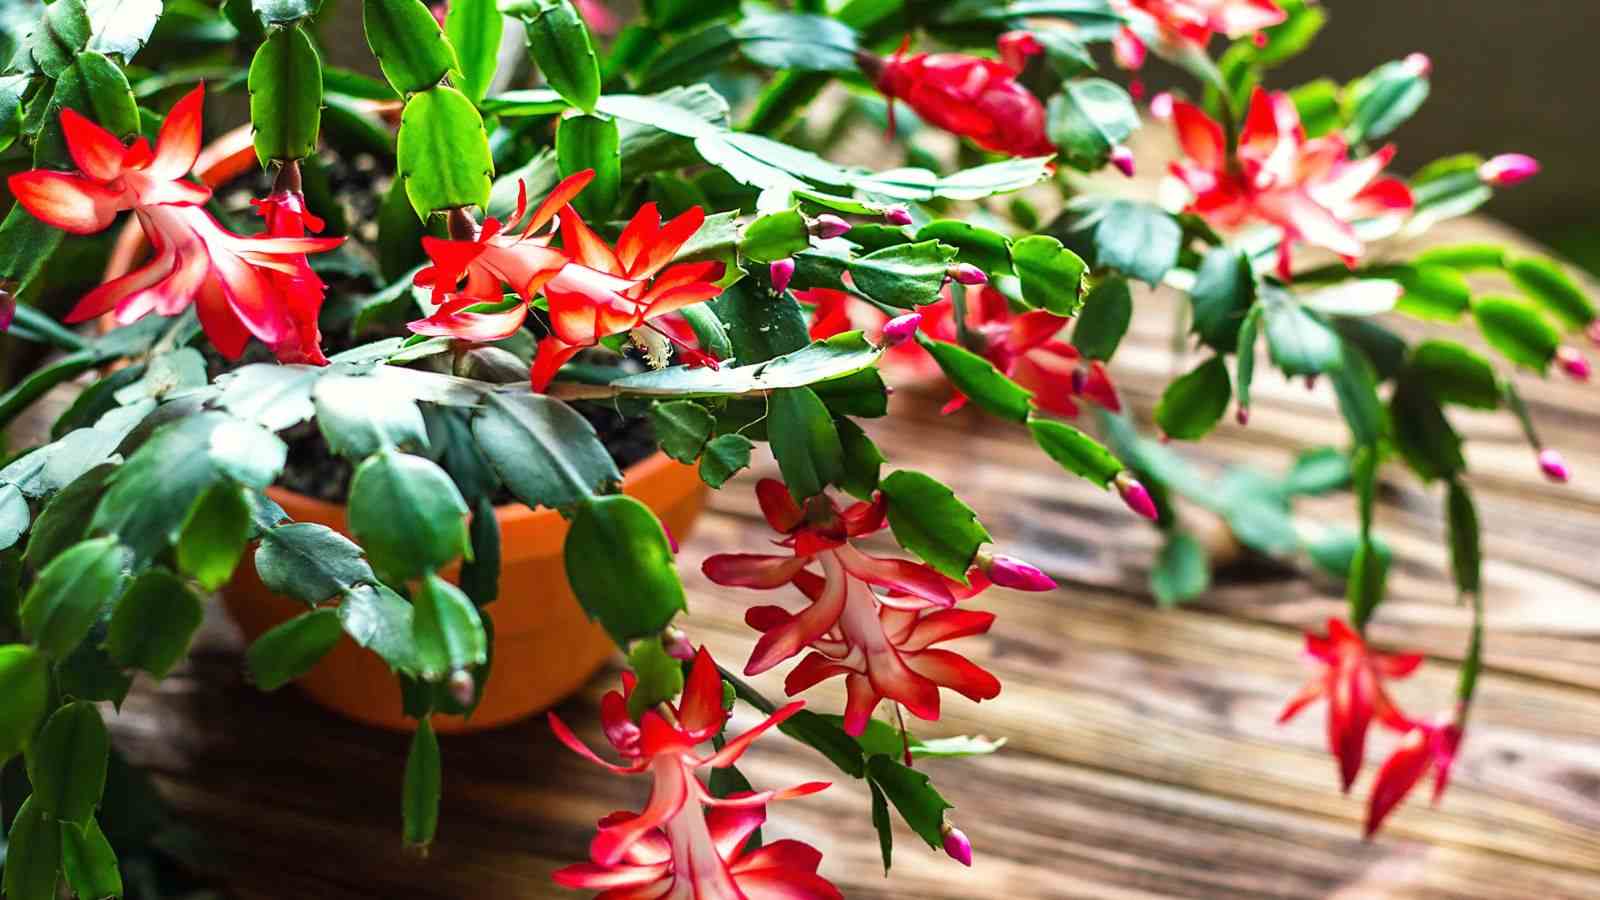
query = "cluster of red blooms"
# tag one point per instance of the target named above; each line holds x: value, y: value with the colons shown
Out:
x: 593, y: 290
x: 259, y: 286
x: 880, y: 643
x: 1351, y: 682
x: 687, y: 842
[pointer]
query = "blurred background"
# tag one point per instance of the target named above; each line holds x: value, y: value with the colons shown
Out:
x: 1508, y: 77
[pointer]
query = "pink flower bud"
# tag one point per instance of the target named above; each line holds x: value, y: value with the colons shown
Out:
x: 1553, y: 466
x: 829, y: 225
x: 956, y: 845
x: 1508, y: 169
x: 967, y: 274
x: 900, y: 329
x: 1008, y: 571
x: 677, y: 644
x: 780, y: 272
x: 897, y: 215
x: 1135, y: 495
x: 463, y: 688
x: 1122, y: 158
x: 1161, y: 105
x: 1572, y: 363
x: 1418, y: 64
x: 1136, y: 89
x: 1242, y: 415
x: 1259, y: 39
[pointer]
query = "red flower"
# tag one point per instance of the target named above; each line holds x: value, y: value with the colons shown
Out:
x: 1310, y: 189
x: 286, y: 215
x: 1189, y: 24
x: 233, y: 280
x: 970, y: 96
x: 1025, y: 347
x: 880, y: 643
x: 1427, y: 745
x: 705, y: 860
x: 1352, y: 682
x: 593, y: 291
x: 673, y: 847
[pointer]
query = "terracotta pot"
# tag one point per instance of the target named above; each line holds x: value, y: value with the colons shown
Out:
x: 544, y: 645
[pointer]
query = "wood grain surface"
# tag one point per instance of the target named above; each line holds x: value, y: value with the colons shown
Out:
x: 1143, y: 758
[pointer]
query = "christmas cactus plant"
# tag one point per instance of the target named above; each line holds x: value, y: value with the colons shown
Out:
x: 544, y: 216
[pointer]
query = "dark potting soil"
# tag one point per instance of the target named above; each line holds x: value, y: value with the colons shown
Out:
x: 315, y: 471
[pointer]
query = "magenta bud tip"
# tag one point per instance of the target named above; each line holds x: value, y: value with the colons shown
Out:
x: 677, y: 644
x: 1419, y: 64
x: 1122, y: 158
x: 463, y: 688
x: 967, y: 274
x: 1242, y: 415
x: 897, y: 215
x: 957, y: 847
x: 1080, y: 381
x: 1136, y: 495
x: 1259, y: 39
x: 1508, y: 169
x: 780, y: 273
x: 1008, y: 571
x: 8, y: 310
x: 1554, y: 467
x: 900, y: 329
x: 1572, y: 363
x: 829, y: 225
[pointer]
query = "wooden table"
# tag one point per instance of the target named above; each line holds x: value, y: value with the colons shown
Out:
x: 1143, y: 758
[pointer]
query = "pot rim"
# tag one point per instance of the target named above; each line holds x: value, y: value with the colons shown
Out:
x: 515, y: 512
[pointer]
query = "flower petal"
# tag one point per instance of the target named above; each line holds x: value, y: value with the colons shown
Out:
x: 178, y: 144
x: 65, y: 200
x: 95, y: 151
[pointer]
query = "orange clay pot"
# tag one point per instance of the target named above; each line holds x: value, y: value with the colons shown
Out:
x: 545, y: 648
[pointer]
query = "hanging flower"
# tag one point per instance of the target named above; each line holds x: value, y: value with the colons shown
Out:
x: 673, y: 843
x: 1180, y: 25
x: 233, y: 281
x: 1311, y: 190
x: 1351, y: 681
x: 968, y: 95
x: 1427, y: 745
x: 880, y: 643
x: 285, y: 213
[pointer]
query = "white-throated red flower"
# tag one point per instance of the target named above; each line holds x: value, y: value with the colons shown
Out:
x: 232, y: 280
x: 880, y: 643
x: 1351, y: 681
x: 1310, y: 190
x: 1189, y: 24
x: 674, y: 848
x: 968, y: 95
x: 1429, y: 745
